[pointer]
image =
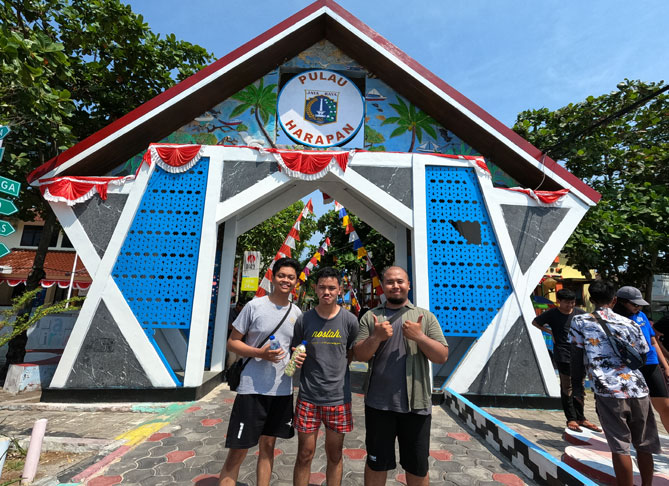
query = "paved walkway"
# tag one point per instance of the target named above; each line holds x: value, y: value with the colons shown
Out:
x: 190, y: 451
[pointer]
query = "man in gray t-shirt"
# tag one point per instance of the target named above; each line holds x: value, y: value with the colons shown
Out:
x: 263, y: 408
x: 325, y: 387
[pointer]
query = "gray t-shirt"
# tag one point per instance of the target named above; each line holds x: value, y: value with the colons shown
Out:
x: 388, y: 385
x: 324, y: 377
x: 256, y: 320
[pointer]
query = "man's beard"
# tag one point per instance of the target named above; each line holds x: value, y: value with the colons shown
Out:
x: 396, y: 300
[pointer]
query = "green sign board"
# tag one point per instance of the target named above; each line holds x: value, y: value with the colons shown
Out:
x: 4, y: 131
x: 7, y: 207
x: 3, y: 250
x: 2, y: 153
x: 9, y: 186
x: 6, y: 229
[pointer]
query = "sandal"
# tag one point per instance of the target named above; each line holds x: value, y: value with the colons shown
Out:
x: 589, y: 425
x: 573, y: 426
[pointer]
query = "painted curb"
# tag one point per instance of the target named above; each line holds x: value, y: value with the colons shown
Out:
x: 534, y: 462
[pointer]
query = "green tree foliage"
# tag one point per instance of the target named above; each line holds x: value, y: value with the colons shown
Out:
x: 626, y: 236
x: 20, y: 321
x: 341, y: 254
x: 67, y: 69
x: 411, y: 120
x: 268, y: 236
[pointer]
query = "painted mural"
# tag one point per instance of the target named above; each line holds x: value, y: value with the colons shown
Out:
x: 392, y: 124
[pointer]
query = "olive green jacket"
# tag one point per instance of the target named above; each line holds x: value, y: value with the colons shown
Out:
x: 419, y: 389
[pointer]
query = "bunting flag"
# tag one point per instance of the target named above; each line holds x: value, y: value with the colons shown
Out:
x: 285, y: 250
x: 544, y: 198
x: 313, y: 262
x: 348, y: 287
x: 358, y: 247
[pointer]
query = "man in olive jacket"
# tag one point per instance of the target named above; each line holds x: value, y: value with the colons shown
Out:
x: 398, y: 389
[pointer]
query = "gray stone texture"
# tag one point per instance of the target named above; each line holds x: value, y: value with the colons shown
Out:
x: 99, y: 218
x: 530, y: 228
x: 513, y: 368
x: 457, y: 348
x: 396, y: 181
x: 238, y: 176
x: 105, y: 359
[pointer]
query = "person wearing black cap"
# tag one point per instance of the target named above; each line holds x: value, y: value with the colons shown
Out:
x: 629, y: 304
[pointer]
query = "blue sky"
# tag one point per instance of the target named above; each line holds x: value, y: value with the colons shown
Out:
x: 506, y: 56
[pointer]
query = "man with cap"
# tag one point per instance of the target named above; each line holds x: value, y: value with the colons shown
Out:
x: 629, y: 304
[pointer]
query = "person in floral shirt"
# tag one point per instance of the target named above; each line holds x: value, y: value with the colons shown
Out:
x: 621, y: 394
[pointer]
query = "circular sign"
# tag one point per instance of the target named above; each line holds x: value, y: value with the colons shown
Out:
x: 320, y: 108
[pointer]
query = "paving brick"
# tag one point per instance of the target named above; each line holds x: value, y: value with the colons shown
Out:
x: 138, y: 475
x: 150, y: 462
x: 105, y: 481
x: 179, y: 456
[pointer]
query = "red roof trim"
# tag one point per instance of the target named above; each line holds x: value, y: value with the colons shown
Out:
x: 171, y: 92
x: 277, y: 29
x: 467, y: 103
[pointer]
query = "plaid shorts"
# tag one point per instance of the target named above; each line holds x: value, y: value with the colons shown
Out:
x: 308, y: 417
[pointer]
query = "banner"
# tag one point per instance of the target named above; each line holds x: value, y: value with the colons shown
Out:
x: 250, y: 271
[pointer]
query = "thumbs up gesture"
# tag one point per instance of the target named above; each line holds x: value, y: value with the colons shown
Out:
x: 382, y: 330
x: 413, y: 330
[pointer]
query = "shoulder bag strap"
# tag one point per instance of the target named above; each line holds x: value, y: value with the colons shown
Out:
x: 602, y: 322
x: 290, y: 306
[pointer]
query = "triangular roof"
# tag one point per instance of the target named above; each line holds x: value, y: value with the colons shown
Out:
x: 323, y: 19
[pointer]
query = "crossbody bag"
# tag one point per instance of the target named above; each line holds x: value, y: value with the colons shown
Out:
x: 235, y: 371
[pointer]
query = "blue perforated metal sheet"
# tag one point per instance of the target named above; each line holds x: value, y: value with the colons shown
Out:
x: 157, y: 265
x: 468, y: 280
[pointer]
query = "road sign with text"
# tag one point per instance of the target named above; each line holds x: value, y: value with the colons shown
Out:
x: 7, y: 207
x: 3, y: 250
x: 9, y: 186
x: 6, y: 229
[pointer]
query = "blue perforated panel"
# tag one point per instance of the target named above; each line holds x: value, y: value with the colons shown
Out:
x: 468, y: 280
x: 157, y: 265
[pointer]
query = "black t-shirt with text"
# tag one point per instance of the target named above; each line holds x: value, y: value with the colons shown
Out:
x: 559, y: 324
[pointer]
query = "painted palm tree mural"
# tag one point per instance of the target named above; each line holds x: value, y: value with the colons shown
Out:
x: 411, y: 120
x: 261, y: 100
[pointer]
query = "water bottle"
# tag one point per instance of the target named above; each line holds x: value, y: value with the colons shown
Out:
x: 274, y: 343
x: 290, y: 367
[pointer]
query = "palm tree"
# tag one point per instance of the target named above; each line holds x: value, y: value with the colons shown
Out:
x: 411, y: 119
x: 261, y: 101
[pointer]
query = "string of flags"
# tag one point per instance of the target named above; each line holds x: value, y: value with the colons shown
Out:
x: 357, y: 245
x: 348, y: 287
x: 314, y: 260
x: 285, y: 250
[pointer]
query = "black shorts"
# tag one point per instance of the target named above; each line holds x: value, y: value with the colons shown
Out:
x: 654, y: 377
x: 256, y: 415
x: 412, y: 432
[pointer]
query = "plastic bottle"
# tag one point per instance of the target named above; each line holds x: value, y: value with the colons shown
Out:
x: 274, y: 343
x: 290, y: 367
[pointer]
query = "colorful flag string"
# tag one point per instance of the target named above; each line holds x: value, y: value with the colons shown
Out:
x: 357, y: 245
x: 348, y: 286
x: 285, y: 250
x: 313, y: 261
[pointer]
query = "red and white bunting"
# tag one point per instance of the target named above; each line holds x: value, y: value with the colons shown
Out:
x: 293, y: 235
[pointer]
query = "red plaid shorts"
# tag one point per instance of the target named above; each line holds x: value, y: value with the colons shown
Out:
x: 308, y: 417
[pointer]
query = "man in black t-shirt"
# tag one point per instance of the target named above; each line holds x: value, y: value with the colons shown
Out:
x: 569, y: 359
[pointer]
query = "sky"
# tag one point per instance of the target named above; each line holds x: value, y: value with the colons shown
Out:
x: 506, y: 56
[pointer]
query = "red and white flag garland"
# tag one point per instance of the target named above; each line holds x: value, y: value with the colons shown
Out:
x: 285, y: 250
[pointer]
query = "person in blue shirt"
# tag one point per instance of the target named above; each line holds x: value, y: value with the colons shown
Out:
x: 629, y: 304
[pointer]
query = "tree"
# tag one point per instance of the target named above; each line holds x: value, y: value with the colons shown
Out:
x: 411, y: 120
x: 67, y: 69
x: 268, y: 236
x: 341, y: 254
x: 626, y: 236
x: 261, y: 100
